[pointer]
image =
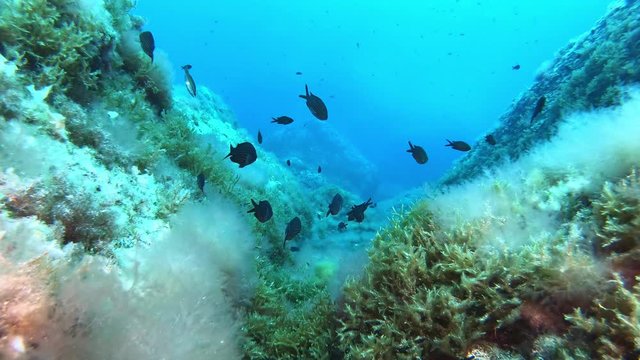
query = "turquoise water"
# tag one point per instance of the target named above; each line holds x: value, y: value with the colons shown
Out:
x: 389, y: 71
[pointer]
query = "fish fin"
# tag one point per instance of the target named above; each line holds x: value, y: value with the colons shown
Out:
x: 276, y: 120
x: 254, y: 203
x: 450, y: 143
x: 306, y: 89
x: 328, y: 212
x: 304, y: 96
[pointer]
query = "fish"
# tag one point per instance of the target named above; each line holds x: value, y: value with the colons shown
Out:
x: 315, y: 104
x: 335, y: 205
x: 243, y: 154
x: 515, y: 67
x: 188, y: 80
x: 342, y: 226
x: 200, y: 181
x: 490, y: 139
x: 147, y: 43
x: 294, y: 248
x: 539, y: 107
x: 298, y: 72
x: 288, y: 162
x: 282, y: 120
x: 293, y: 229
x: 458, y: 145
x: 418, y: 153
x: 319, y: 169
x: 357, y: 211
x: 259, y: 137
x: 262, y: 210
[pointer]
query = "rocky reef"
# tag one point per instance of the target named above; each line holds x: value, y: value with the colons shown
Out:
x: 109, y: 250
x: 585, y: 75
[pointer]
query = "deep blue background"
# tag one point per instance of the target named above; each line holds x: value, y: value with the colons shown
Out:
x: 389, y: 71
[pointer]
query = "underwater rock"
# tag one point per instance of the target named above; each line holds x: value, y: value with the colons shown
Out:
x: 583, y: 76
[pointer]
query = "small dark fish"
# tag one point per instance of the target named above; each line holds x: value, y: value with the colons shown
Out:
x: 357, y: 211
x: 147, y: 43
x: 243, y: 154
x: 458, y: 145
x: 342, y: 226
x: 293, y: 228
x: 319, y: 169
x: 515, y: 67
x: 294, y: 249
x: 188, y: 80
x: 470, y: 357
x: 298, y: 72
x: 200, y: 180
x: 262, y: 210
x: 418, y: 153
x: 282, y: 120
x: 315, y: 104
x: 259, y: 137
x: 336, y: 205
x: 288, y: 162
x: 490, y: 139
x: 539, y: 107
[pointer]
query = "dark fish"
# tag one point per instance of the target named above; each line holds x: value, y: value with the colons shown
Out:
x: 188, y: 80
x: 243, y: 154
x: 315, y: 104
x: 342, y: 226
x: 336, y: 205
x: 259, y: 137
x: 319, y: 169
x: 282, y: 120
x: 515, y: 67
x: 357, y: 211
x: 490, y: 139
x: 458, y: 145
x: 294, y: 248
x: 293, y: 228
x: 200, y: 181
x: 298, y: 72
x: 262, y: 210
x: 418, y: 153
x: 147, y: 43
x: 288, y: 162
x: 539, y: 107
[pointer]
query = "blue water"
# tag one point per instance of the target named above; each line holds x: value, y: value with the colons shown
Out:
x: 388, y: 71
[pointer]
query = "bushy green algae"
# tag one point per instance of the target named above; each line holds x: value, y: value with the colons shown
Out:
x: 289, y: 318
x: 434, y: 292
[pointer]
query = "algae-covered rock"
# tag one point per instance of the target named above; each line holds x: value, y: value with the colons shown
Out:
x: 587, y: 74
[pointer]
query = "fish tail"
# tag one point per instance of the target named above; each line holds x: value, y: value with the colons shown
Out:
x: 306, y: 90
x: 410, y: 147
x: 230, y: 149
x: 449, y: 143
x: 328, y: 212
x: 276, y: 120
